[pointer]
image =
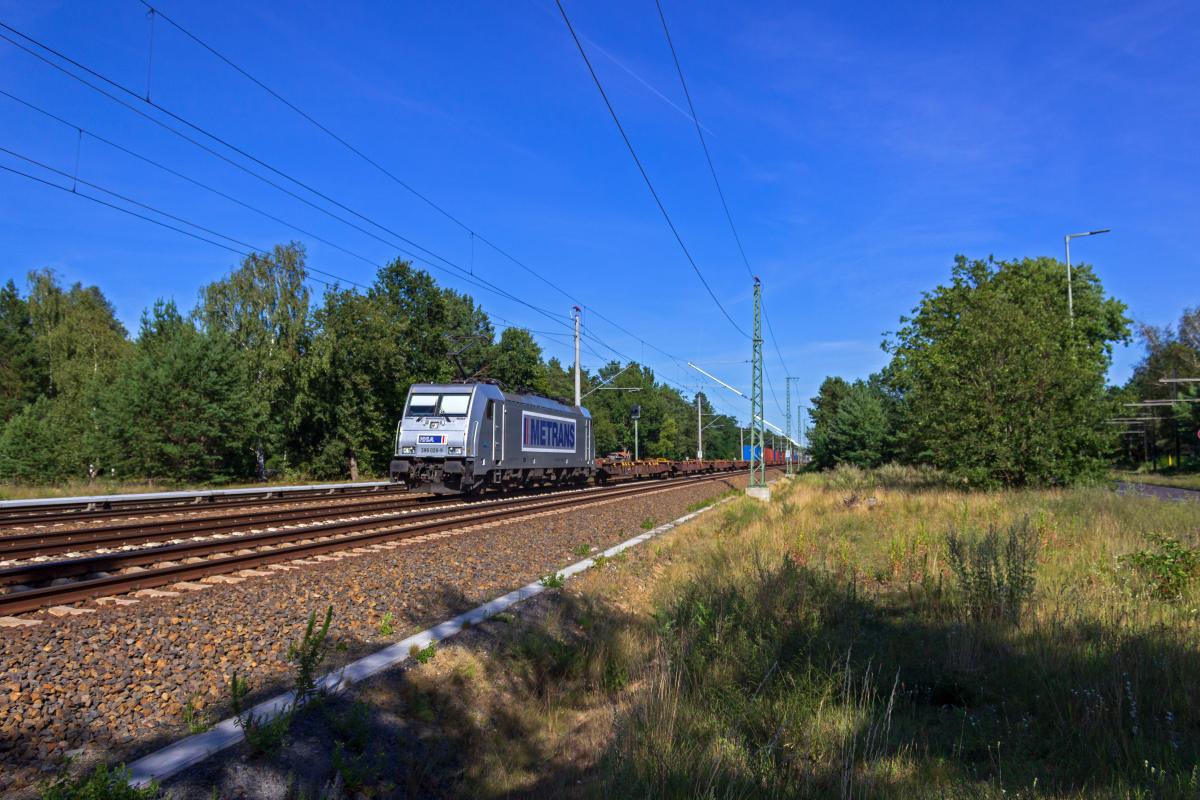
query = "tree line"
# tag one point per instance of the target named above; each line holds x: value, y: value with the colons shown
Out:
x: 993, y: 381
x: 260, y: 379
x: 1170, y: 435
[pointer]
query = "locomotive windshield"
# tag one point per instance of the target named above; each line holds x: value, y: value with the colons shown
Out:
x: 432, y: 405
x: 454, y: 405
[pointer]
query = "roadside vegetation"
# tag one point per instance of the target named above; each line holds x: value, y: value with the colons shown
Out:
x: 866, y: 634
x: 992, y: 383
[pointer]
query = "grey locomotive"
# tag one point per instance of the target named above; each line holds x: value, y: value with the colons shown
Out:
x: 460, y: 438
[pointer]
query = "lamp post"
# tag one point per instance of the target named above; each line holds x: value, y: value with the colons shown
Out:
x: 1067, y: 241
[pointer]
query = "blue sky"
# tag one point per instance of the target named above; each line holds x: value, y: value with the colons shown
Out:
x: 861, y: 146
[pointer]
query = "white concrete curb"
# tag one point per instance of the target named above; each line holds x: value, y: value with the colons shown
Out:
x: 177, y: 757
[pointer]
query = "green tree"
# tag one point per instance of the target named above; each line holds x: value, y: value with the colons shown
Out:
x: 1170, y: 353
x: 31, y: 449
x: 998, y: 384
x: 78, y: 345
x: 560, y: 381
x: 418, y: 315
x: 468, y: 335
x: 348, y: 403
x: 178, y: 410
x: 665, y: 445
x: 822, y: 412
x: 262, y: 307
x: 77, y: 337
x: 516, y: 361
x: 858, y: 432
x: 21, y: 380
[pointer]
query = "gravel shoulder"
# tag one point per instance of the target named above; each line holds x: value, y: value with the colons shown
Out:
x: 1158, y: 491
x: 112, y: 685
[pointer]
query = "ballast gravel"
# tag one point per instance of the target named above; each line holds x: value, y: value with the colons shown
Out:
x: 113, y: 684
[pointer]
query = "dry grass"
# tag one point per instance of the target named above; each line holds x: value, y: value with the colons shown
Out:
x: 821, y: 647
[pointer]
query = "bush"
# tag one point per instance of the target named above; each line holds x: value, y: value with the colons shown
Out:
x: 1169, y: 567
x: 996, y: 579
x: 102, y: 784
x: 849, y: 478
x: 423, y: 655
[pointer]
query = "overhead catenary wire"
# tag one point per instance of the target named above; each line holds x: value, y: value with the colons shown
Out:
x: 642, y: 170
x: 195, y: 182
x: 463, y: 273
x: 151, y: 220
x: 219, y: 139
x: 238, y: 250
x: 467, y: 275
x: 474, y: 234
x: 712, y: 170
x: 250, y: 249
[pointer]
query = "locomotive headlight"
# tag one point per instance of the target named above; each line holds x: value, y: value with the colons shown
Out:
x: 407, y: 450
x: 455, y: 451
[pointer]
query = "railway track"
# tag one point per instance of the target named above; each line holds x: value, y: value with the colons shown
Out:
x: 34, y: 544
x: 72, y: 580
x: 41, y: 512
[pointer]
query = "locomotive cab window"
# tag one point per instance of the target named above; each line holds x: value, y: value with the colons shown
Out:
x: 422, y: 405
x: 433, y: 405
x: 454, y: 405
x: 489, y: 409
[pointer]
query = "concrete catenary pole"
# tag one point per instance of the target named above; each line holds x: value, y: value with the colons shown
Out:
x: 699, y: 429
x: 578, y: 400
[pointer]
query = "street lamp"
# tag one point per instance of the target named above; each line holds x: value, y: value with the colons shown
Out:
x: 1067, y: 239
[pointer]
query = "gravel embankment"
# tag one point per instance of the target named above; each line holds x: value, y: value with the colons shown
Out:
x: 113, y: 683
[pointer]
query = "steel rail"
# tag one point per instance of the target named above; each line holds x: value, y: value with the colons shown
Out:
x: 20, y: 512
x: 34, y: 544
x: 375, y: 531
x: 40, y: 571
x: 45, y: 543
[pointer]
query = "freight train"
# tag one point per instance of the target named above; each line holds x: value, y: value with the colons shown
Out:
x: 462, y: 438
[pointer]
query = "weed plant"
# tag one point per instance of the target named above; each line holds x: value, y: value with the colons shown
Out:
x: 308, y: 654
x: 100, y: 784
x: 1169, y: 567
x: 424, y: 655
x: 996, y: 578
x: 352, y: 763
x: 195, y: 719
x: 265, y: 736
